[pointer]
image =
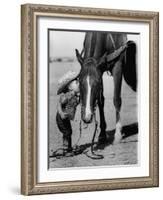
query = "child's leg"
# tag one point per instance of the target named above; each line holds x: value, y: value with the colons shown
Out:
x: 64, y: 126
x: 67, y: 143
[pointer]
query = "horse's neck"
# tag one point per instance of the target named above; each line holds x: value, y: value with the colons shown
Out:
x: 115, y: 40
x: 97, y: 43
x: 88, y: 45
x: 94, y: 45
x: 100, y: 46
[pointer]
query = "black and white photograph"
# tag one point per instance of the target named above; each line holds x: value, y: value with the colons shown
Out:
x: 92, y: 98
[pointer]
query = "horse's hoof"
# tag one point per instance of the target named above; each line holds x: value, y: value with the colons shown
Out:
x: 102, y: 140
x: 100, y: 146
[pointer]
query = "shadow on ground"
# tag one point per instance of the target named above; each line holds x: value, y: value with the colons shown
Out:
x: 127, y: 131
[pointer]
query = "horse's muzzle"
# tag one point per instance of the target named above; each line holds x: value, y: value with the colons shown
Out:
x: 87, y: 119
x: 86, y: 116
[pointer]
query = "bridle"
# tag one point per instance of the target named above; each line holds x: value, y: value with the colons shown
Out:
x: 93, y: 154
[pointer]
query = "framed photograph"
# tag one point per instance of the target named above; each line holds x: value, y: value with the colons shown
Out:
x: 89, y: 99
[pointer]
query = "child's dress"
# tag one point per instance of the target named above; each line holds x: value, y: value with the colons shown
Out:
x: 69, y: 102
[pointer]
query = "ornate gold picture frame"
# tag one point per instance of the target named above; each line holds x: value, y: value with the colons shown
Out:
x: 30, y: 182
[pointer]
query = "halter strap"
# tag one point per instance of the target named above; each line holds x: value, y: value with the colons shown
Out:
x: 89, y: 60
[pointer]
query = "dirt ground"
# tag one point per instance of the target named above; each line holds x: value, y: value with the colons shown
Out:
x: 124, y: 153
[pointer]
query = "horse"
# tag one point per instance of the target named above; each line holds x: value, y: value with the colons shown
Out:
x: 105, y: 52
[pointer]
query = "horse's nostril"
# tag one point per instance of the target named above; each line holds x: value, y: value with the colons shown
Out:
x: 87, y: 119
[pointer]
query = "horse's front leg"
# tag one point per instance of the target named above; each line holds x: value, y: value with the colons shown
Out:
x: 117, y: 77
x: 102, y: 136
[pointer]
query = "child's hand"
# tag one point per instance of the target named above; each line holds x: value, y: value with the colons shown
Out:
x: 63, y: 115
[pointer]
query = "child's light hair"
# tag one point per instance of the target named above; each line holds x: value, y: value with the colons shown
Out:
x: 74, y: 86
x: 65, y: 80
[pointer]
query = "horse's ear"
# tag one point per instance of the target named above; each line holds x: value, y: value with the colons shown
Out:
x: 79, y: 57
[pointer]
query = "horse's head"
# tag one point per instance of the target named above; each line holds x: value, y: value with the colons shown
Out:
x: 90, y: 82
